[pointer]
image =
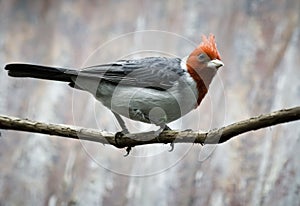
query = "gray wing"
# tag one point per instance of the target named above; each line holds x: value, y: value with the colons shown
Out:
x: 155, y: 72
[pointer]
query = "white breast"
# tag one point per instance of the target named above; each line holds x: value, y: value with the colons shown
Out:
x: 157, y: 105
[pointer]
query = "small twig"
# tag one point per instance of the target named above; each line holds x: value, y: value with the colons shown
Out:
x: 214, y: 136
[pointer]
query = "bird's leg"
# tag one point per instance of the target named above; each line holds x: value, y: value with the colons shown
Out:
x: 167, y: 128
x: 164, y: 127
x: 124, y: 131
x: 172, y: 143
x: 161, y: 123
x: 160, y: 119
x: 121, y: 123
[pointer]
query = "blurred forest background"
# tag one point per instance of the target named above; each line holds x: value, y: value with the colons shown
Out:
x: 259, y: 41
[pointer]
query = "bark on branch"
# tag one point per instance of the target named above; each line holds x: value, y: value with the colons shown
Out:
x: 214, y: 136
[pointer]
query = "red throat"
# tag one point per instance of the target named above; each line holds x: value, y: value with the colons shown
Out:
x: 201, y: 87
x: 196, y: 69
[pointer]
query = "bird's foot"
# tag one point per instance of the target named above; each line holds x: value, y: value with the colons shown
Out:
x: 167, y: 128
x: 162, y: 129
x: 128, y: 149
x: 172, y: 144
x: 172, y: 147
x: 120, y: 135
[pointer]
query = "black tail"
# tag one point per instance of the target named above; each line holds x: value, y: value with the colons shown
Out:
x: 41, y: 72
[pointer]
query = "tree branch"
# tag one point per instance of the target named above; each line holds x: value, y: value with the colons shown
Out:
x: 214, y: 136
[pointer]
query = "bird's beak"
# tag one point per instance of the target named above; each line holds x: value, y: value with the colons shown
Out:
x: 215, y: 63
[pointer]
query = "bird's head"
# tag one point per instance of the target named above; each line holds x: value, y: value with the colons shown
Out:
x: 205, y: 60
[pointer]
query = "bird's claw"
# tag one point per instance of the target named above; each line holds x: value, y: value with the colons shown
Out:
x: 172, y: 147
x: 160, y: 130
x: 128, y: 149
x: 118, y: 136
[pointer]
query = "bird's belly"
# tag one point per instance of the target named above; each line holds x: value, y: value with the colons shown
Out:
x: 147, y: 104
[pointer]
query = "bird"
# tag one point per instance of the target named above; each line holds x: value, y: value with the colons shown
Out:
x: 155, y: 90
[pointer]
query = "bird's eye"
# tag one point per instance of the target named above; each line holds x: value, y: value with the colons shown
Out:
x: 202, y: 57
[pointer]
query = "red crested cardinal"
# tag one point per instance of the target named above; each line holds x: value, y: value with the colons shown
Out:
x: 154, y: 90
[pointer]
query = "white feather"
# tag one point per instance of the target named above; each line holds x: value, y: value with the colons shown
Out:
x: 158, y: 105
